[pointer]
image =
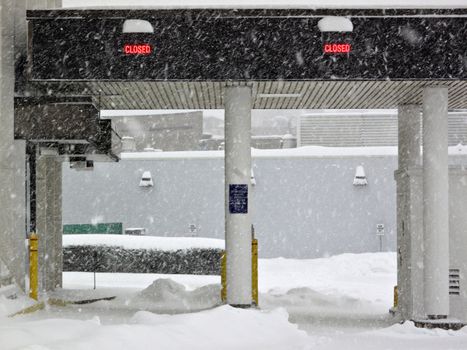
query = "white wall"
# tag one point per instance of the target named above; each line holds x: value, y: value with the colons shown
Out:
x: 304, y: 207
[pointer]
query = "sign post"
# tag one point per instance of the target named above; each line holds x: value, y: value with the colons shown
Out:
x: 380, y: 234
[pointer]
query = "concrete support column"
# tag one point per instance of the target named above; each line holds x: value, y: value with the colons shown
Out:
x: 12, y: 159
x: 12, y: 153
x: 49, y: 221
x: 55, y: 3
x: 436, y: 204
x: 43, y: 4
x: 409, y: 214
x: 409, y: 129
x: 237, y: 102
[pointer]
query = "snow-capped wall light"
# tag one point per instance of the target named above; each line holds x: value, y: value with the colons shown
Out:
x: 137, y: 26
x: 252, y: 178
x: 146, y: 180
x: 360, y: 177
x: 335, y: 24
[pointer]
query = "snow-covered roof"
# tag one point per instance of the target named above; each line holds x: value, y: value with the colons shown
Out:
x: 279, y: 4
x: 308, y: 151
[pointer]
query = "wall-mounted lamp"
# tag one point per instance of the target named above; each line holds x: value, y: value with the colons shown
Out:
x: 360, y: 177
x: 146, y: 180
x: 252, y: 178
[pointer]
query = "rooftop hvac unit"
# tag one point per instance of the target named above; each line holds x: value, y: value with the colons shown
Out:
x: 128, y: 144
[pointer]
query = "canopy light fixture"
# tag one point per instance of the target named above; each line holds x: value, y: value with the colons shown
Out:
x: 335, y: 24
x: 137, y: 26
x: 279, y: 95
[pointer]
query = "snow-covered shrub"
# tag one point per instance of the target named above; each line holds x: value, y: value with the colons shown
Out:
x: 196, y: 261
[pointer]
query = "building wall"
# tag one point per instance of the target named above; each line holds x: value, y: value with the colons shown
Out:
x: 365, y: 129
x: 304, y: 207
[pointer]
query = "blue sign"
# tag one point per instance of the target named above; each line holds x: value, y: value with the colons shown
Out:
x: 238, y: 199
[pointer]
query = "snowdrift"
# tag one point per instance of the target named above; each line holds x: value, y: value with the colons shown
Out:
x: 164, y: 294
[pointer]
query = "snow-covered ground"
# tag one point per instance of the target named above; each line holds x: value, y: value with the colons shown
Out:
x: 338, y: 302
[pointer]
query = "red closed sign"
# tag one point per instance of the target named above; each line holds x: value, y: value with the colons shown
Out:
x: 137, y: 49
x: 336, y: 48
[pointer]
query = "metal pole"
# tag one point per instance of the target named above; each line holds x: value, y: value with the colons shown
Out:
x: 32, y: 151
x: 237, y: 100
x: 435, y: 209
x: 96, y: 266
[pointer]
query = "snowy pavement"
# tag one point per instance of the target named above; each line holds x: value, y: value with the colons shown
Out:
x: 339, y: 302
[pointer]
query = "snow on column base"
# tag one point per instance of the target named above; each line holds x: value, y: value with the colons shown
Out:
x: 394, y: 311
x: 437, y: 317
x: 443, y: 322
x: 242, y: 306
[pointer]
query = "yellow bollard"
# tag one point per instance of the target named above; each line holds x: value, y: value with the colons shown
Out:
x: 254, y: 271
x: 33, y: 265
x: 396, y: 296
x: 224, y: 277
